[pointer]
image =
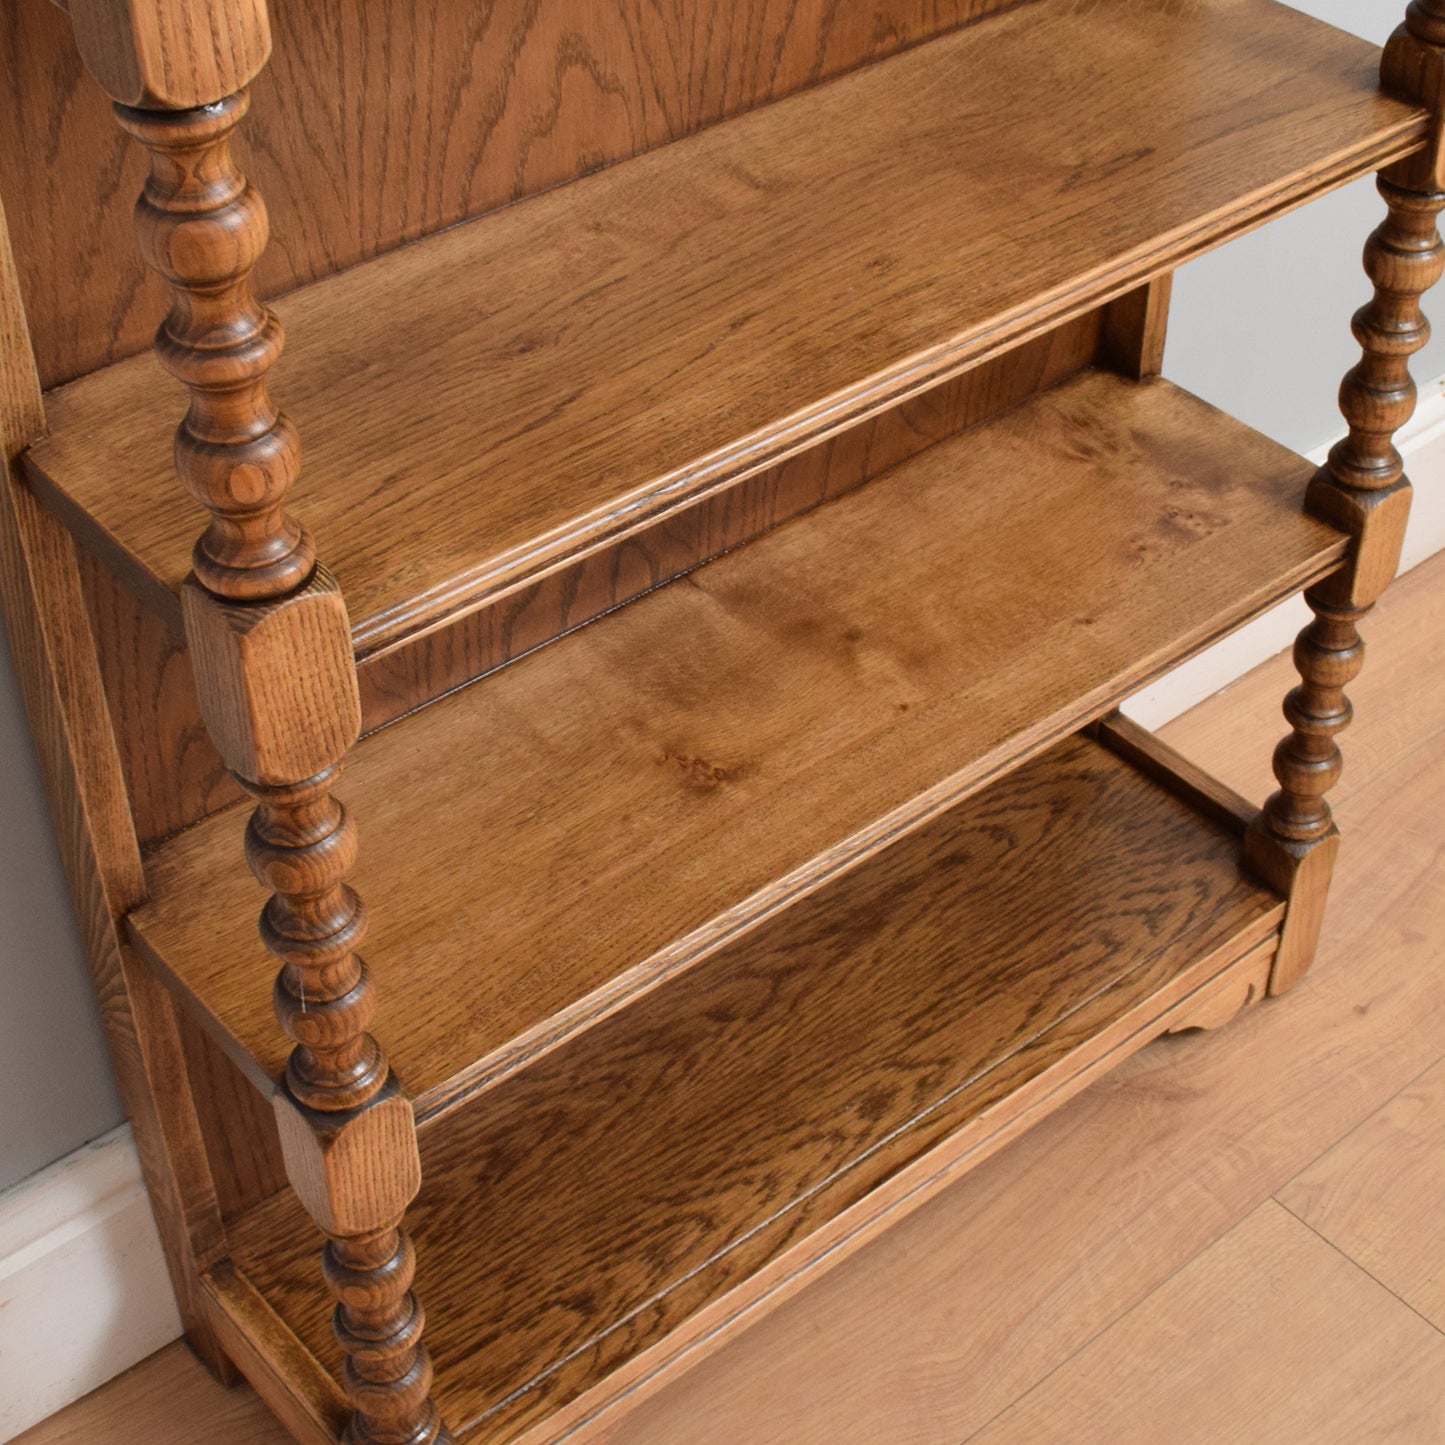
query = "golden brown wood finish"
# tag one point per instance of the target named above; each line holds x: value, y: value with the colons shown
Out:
x: 1413, y: 67
x: 171, y: 54
x: 1221, y: 1001
x: 202, y: 226
x: 376, y: 125
x: 611, y: 1402
x: 940, y: 1324
x: 299, y: 1390
x: 60, y: 681
x: 1156, y: 759
x: 237, y: 1123
x: 1361, y: 489
x: 672, y: 325
x: 1135, y: 328
x: 395, y: 682
x: 774, y: 1102
x: 173, y: 771
x: 271, y: 644
x: 719, y: 747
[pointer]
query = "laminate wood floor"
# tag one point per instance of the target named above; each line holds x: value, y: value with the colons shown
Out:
x: 1232, y: 1238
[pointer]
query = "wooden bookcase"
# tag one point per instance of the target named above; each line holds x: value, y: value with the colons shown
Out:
x: 736, y: 442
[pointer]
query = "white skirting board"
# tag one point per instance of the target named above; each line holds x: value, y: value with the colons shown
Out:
x: 83, y: 1288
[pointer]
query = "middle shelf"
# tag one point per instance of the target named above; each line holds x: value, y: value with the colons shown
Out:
x: 630, y: 797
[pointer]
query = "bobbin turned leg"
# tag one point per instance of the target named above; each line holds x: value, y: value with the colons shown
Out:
x: 271, y: 646
x: 1363, y: 490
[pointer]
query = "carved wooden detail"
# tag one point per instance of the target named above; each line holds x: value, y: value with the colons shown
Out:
x: 1413, y: 66
x: 1362, y: 489
x: 715, y: 822
x: 388, y: 1373
x: 203, y: 226
x: 271, y: 645
x: 1328, y: 654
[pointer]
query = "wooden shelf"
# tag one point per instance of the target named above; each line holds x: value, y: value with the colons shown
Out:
x: 527, y: 388
x: 695, y: 1151
x: 554, y: 842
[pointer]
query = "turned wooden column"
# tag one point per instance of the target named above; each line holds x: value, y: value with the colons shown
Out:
x: 271, y: 646
x: 1361, y: 489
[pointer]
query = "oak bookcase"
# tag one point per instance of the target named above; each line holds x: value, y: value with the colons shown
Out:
x: 738, y: 437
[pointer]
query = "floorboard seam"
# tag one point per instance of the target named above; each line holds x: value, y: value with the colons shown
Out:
x: 1123, y: 1314
x: 1353, y: 1262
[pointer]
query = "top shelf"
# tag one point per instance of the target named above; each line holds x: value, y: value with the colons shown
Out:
x: 482, y: 406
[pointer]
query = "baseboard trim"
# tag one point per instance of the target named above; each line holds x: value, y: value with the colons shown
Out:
x: 84, y: 1292
x: 83, y: 1287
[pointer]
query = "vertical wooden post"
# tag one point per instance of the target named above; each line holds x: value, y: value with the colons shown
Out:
x: 59, y: 674
x: 1135, y: 328
x: 1362, y: 489
x: 271, y: 646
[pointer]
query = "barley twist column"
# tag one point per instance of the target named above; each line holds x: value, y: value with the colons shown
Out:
x: 1361, y: 489
x: 271, y: 645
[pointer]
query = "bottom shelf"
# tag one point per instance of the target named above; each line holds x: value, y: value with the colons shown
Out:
x: 621, y: 1201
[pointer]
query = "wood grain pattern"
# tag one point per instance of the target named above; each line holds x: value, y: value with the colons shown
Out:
x: 1413, y: 67
x: 1361, y: 489
x: 1376, y: 1195
x: 270, y: 641
x: 279, y: 680
x: 237, y: 1123
x: 1155, y: 758
x: 801, y: 1266
x: 1221, y: 1001
x: 1267, y: 1361
x: 498, y: 103
x: 173, y: 772
x: 774, y: 1099
x: 942, y: 1323
x: 171, y: 54
x: 672, y: 325
x: 395, y: 682
x: 839, y: 670
x: 1136, y: 327
x: 301, y: 1394
x: 59, y: 677
x: 202, y: 226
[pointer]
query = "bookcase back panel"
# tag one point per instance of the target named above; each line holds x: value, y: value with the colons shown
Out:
x: 378, y: 123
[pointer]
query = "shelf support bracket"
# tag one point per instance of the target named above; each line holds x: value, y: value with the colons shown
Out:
x: 1361, y: 489
x: 270, y: 641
